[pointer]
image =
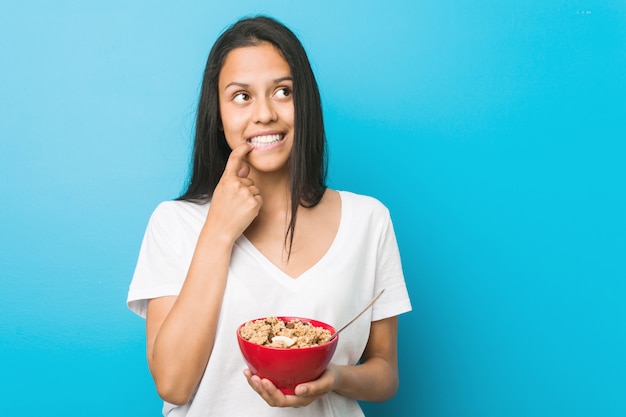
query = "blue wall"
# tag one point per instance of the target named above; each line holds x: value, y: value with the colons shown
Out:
x: 494, y: 131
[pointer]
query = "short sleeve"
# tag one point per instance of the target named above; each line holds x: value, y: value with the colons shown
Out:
x: 162, y: 263
x: 389, y: 275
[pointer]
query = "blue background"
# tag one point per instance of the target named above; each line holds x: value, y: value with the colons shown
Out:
x: 493, y: 130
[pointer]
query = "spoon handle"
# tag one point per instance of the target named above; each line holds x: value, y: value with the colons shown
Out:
x: 358, y: 315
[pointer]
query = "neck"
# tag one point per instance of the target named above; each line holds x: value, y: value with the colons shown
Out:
x: 276, y: 195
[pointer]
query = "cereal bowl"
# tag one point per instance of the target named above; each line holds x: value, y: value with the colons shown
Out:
x: 289, y: 366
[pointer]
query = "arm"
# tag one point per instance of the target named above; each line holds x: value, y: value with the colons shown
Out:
x: 179, y: 343
x: 180, y: 331
x: 375, y: 379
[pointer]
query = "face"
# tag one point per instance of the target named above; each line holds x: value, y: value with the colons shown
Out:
x: 256, y: 105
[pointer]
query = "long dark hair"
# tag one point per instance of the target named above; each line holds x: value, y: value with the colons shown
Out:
x: 308, y: 160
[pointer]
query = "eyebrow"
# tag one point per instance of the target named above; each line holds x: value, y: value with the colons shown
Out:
x: 244, y: 85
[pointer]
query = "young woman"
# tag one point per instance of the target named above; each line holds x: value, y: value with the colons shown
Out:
x: 258, y: 233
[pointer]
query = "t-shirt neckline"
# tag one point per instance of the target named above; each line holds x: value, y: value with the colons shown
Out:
x: 327, y: 257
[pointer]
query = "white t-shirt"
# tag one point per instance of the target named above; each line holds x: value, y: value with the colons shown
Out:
x: 362, y: 260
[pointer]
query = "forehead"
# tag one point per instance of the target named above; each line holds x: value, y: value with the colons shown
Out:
x: 252, y: 62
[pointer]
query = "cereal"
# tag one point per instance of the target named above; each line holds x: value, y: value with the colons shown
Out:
x: 293, y: 334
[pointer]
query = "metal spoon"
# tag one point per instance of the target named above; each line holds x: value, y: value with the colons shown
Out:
x: 357, y: 316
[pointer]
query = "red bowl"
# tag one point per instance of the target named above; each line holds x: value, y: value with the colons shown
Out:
x: 288, y: 367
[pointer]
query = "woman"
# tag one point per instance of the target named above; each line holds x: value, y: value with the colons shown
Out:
x: 258, y: 233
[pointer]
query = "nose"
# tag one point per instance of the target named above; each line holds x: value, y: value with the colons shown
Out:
x: 264, y: 111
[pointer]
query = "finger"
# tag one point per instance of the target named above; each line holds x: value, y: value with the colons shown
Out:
x: 315, y: 388
x: 254, y: 190
x: 235, y: 160
x: 243, y: 171
x: 261, y: 387
x: 273, y: 395
x: 253, y: 380
x: 301, y: 390
x: 308, y: 390
x: 270, y: 388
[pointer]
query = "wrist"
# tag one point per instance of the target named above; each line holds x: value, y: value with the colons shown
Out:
x: 336, y: 371
x: 217, y: 236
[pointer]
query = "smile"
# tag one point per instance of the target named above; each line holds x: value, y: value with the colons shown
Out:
x: 266, y: 140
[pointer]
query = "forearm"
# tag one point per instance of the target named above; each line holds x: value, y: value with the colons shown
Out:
x: 374, y: 380
x: 182, y: 344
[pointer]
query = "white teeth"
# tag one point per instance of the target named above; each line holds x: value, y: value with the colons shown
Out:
x: 265, y: 140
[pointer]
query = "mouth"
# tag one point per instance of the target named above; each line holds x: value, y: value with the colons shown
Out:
x: 266, y: 141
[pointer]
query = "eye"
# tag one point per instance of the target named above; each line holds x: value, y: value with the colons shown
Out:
x: 283, y: 92
x: 241, y: 98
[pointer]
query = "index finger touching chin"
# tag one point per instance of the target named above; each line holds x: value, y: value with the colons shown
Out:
x: 234, y: 163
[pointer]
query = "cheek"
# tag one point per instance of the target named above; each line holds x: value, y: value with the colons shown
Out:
x: 287, y: 114
x: 232, y: 122
x: 232, y: 138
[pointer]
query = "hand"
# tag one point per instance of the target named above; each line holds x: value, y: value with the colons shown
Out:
x: 305, y: 393
x: 236, y: 200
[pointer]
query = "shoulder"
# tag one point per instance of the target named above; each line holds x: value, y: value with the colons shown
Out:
x: 175, y: 215
x: 365, y: 213
x: 361, y: 203
x: 177, y: 209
